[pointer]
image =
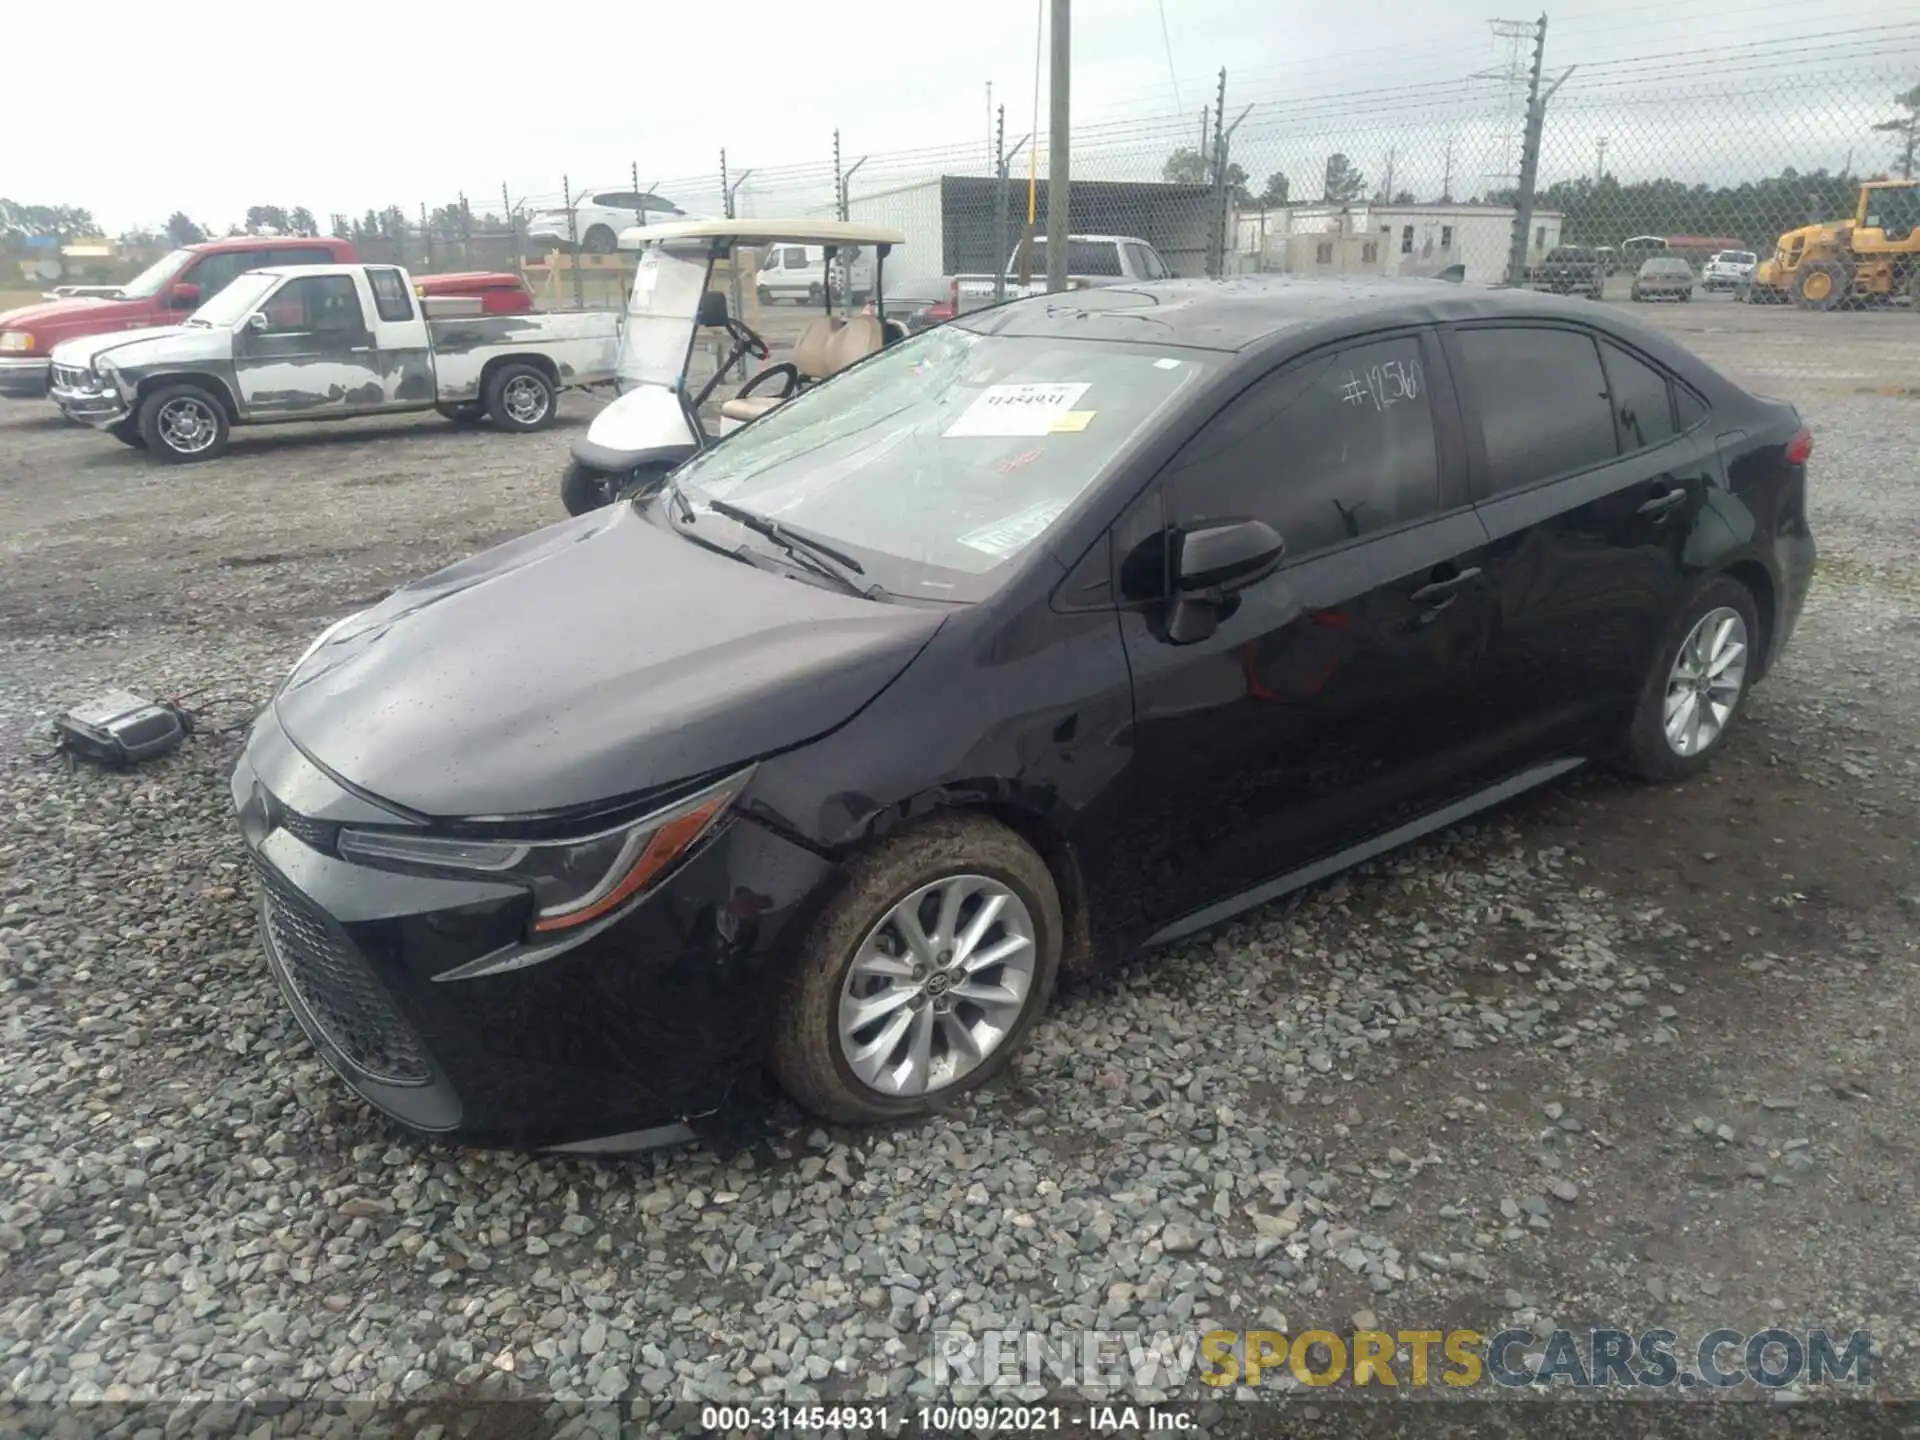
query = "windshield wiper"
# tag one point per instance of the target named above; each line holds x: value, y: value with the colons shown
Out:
x: 682, y: 506
x: 816, y: 555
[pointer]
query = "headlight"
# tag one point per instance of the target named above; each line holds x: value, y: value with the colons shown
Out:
x: 574, y: 882
x: 16, y: 340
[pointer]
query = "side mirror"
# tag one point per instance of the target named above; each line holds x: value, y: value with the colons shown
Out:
x: 1213, y: 564
x: 258, y: 322
x: 184, y: 296
x: 713, y: 309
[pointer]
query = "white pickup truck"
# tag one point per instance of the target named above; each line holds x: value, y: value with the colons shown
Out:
x: 323, y: 342
x: 1091, y: 260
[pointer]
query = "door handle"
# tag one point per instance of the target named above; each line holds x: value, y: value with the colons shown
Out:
x: 1664, y: 502
x: 360, y: 349
x: 1438, y: 589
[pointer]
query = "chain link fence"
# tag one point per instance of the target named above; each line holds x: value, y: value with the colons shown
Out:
x: 1685, y: 153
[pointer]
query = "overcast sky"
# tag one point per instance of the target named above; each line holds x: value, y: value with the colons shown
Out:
x: 224, y: 104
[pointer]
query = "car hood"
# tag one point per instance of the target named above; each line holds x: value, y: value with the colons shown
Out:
x: 53, y: 312
x: 588, y: 661
x: 171, y: 342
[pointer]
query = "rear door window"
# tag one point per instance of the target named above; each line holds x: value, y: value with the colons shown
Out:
x: 391, y: 298
x: 1541, y: 401
x: 1642, y: 404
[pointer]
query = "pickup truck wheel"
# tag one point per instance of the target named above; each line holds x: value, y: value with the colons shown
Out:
x: 467, y: 414
x: 520, y: 398
x: 183, y: 423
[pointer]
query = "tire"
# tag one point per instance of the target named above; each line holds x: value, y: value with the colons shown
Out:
x: 813, y: 294
x: 1634, y: 295
x: 1647, y: 752
x: 599, y: 240
x: 764, y: 296
x: 582, y: 489
x: 808, y: 1056
x: 520, y: 398
x: 127, y: 432
x: 466, y: 414
x: 172, y: 414
x: 1820, y: 285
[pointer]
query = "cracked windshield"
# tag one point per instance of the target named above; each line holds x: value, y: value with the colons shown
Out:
x: 948, y: 456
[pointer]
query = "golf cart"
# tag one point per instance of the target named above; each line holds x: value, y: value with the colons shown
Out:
x: 655, y: 424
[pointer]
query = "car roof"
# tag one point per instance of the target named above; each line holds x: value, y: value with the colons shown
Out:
x: 267, y: 242
x: 1242, y: 311
x: 809, y: 230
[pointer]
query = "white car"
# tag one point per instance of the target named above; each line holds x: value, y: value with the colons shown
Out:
x: 1727, y: 269
x: 599, y: 217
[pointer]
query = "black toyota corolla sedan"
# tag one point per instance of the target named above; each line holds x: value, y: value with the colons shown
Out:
x: 1067, y: 628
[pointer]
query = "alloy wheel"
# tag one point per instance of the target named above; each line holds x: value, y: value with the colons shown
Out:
x: 937, y: 985
x: 1704, y: 685
x: 187, y: 425
x: 525, y: 399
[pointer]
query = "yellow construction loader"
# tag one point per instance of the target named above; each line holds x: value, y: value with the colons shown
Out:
x: 1875, y: 253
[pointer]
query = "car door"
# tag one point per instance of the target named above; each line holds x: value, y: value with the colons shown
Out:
x: 1342, y: 694
x: 401, y: 348
x: 313, y: 355
x: 1588, y: 491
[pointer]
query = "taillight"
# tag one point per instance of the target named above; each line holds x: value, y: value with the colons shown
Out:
x: 1800, y: 448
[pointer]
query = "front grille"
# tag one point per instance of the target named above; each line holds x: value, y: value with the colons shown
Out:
x: 314, y: 834
x: 68, y: 378
x: 333, y: 981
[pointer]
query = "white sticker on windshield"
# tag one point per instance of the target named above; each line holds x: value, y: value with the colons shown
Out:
x: 1016, y: 532
x: 1166, y: 363
x: 1017, y: 409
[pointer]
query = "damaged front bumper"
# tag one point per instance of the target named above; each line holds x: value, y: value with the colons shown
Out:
x: 87, y: 398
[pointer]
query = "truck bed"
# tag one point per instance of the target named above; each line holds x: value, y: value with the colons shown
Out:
x: 583, y: 346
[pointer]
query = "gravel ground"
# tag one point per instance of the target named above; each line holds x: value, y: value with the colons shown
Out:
x: 1615, y: 1056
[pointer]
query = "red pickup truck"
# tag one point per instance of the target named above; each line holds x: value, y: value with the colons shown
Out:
x: 170, y: 289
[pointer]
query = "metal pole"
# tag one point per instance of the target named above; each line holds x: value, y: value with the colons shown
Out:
x: 639, y: 206
x: 1000, y: 204
x: 1060, y: 147
x: 1529, y: 162
x: 513, y: 230
x: 726, y: 191
x: 426, y: 239
x: 573, y: 241
x: 1216, y: 240
x: 839, y: 185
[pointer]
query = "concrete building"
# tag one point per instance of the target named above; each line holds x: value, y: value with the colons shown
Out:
x: 1367, y: 238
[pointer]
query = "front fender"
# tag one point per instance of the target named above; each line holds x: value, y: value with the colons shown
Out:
x: 147, y: 382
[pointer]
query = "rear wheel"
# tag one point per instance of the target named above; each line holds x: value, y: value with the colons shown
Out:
x: 923, y: 977
x: 763, y: 295
x: 1697, y: 685
x: 520, y: 398
x: 1820, y: 285
x: 599, y: 240
x: 183, y: 423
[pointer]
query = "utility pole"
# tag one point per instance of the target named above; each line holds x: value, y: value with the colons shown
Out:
x: 1386, y: 190
x: 1530, y: 154
x: 1060, y: 147
x: 993, y: 143
x: 1446, y: 181
x: 1599, y: 160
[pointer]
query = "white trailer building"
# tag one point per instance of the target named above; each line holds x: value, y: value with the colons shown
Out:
x: 1366, y: 238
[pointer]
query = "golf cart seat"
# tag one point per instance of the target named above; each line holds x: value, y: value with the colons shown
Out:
x: 827, y: 346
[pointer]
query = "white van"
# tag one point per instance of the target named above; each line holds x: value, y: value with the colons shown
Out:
x: 799, y: 273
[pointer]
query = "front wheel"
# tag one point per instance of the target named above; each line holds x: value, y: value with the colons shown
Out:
x: 923, y: 977
x: 462, y: 414
x: 521, y: 398
x: 1697, y: 685
x: 583, y: 488
x: 1820, y: 285
x: 183, y: 423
